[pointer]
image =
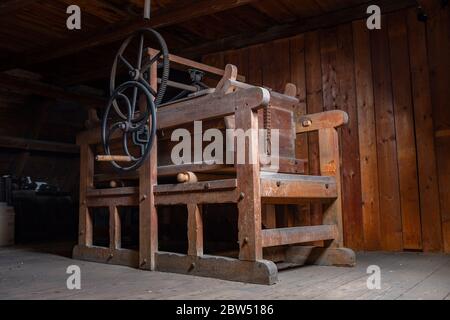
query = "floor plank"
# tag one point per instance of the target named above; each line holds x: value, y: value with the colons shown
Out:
x: 28, y: 273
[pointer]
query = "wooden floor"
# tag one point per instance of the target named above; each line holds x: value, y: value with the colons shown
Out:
x: 27, y: 273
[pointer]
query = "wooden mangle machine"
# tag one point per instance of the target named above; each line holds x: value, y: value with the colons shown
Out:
x: 127, y: 168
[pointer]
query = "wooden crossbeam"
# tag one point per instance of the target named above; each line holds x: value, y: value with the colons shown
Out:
x: 292, y: 189
x: 443, y: 133
x: 28, y: 86
x: 163, y: 18
x: 197, y: 186
x: 284, y: 236
x: 10, y: 6
x: 287, y: 30
x: 38, y: 145
x: 322, y: 120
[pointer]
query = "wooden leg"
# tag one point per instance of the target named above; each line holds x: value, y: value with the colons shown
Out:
x: 249, y: 205
x: 269, y: 216
x: 195, y: 230
x: 114, y: 228
x: 148, y: 216
x: 86, y: 181
x: 329, y: 166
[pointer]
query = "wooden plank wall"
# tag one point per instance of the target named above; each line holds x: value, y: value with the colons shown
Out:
x: 393, y: 83
x: 33, y: 118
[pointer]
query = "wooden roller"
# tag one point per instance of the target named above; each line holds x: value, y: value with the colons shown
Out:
x: 105, y: 158
x: 187, y: 177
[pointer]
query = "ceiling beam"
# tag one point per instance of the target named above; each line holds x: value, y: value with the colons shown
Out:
x: 295, y: 28
x: 28, y: 86
x: 161, y: 18
x: 8, y: 7
x: 38, y: 145
x: 248, y: 39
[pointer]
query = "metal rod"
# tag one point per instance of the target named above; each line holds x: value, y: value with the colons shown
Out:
x: 107, y: 158
x: 147, y: 8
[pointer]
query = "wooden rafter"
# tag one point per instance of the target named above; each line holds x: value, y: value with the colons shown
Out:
x: 8, y: 7
x: 38, y: 145
x: 243, y: 40
x: 295, y: 28
x: 27, y: 86
x: 164, y: 18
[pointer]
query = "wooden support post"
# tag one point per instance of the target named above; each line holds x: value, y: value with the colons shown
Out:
x: 114, y: 228
x: 269, y: 216
x: 249, y: 205
x: 195, y: 230
x: 148, y: 216
x: 329, y: 166
x: 86, y: 182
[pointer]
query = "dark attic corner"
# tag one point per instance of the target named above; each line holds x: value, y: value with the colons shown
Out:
x: 224, y: 150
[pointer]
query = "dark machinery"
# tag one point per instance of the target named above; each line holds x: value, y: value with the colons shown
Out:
x: 131, y: 110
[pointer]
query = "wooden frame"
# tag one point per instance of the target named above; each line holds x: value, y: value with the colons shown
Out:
x: 254, y: 191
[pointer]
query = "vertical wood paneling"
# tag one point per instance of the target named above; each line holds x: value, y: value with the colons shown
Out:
x: 239, y: 58
x: 428, y: 180
x: 351, y: 175
x: 404, y: 125
x: 367, y: 136
x: 438, y: 37
x: 276, y: 72
x: 298, y: 77
x: 314, y: 105
x: 328, y: 52
x: 390, y: 216
x: 255, y: 65
x: 393, y: 83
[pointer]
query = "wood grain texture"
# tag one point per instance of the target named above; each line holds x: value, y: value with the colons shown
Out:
x: 349, y: 139
x: 250, y: 205
x: 298, y: 78
x: 314, y: 105
x: 195, y: 230
x: 438, y: 44
x: 367, y: 136
x: 390, y: 215
x: 404, y: 130
x: 85, y: 235
x: 428, y: 174
x: 382, y: 81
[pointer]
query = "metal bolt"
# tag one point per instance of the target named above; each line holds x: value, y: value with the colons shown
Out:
x: 241, y: 196
x: 207, y: 186
x: 144, y: 197
x: 278, y: 183
x: 306, y: 123
x: 327, y: 186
